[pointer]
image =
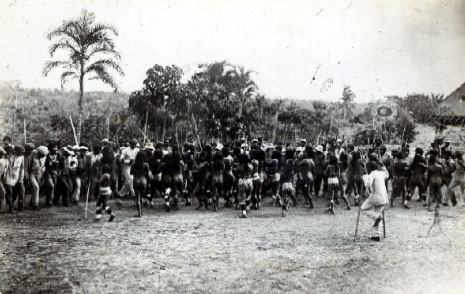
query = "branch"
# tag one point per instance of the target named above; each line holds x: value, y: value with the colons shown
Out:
x: 103, y: 64
x: 103, y: 75
x: 49, y: 65
x: 66, y: 75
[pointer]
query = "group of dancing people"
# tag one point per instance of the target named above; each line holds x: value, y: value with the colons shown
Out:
x: 240, y: 172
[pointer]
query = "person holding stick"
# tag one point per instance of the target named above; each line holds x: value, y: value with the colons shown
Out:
x: 374, y: 205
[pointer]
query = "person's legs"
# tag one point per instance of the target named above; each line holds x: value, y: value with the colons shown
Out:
x: 374, y: 212
x: 18, y: 190
x: 450, y: 190
x: 77, y: 189
x: 8, y: 196
x: 35, y: 189
x: 49, y: 185
x: 2, y: 194
x: 317, y: 184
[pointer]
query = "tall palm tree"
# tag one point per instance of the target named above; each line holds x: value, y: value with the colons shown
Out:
x: 91, y: 52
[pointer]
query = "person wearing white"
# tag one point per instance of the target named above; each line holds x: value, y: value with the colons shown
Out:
x: 374, y: 205
x: 128, y: 156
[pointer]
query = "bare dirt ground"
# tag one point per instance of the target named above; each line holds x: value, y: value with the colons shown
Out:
x: 56, y: 251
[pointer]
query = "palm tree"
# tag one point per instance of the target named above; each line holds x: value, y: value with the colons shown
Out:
x: 91, y: 52
x: 245, y: 87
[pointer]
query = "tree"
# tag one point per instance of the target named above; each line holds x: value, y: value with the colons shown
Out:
x: 91, y: 51
x: 162, y: 91
x: 347, y: 98
x: 244, y: 87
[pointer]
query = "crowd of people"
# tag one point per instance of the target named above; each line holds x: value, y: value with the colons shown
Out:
x: 241, y: 173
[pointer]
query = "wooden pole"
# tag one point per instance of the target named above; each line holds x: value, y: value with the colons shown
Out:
x: 358, y: 218
x: 318, y: 138
x: 87, y: 200
x: 14, y: 116
x: 145, y: 130
x: 24, y: 124
x: 74, y: 131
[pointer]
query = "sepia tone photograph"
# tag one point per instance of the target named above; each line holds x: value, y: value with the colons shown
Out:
x: 213, y: 146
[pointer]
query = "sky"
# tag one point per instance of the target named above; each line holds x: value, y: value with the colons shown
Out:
x: 297, y: 49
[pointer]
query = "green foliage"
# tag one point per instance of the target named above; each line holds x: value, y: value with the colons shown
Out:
x: 47, y: 115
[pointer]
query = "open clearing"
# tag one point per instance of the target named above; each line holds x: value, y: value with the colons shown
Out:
x: 188, y: 251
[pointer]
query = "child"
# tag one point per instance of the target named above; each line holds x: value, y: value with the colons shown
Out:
x: 104, y: 193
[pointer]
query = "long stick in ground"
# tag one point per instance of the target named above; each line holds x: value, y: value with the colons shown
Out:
x: 74, y: 131
x: 358, y: 219
x: 145, y: 129
x: 87, y: 200
x: 25, y: 136
x: 384, y: 226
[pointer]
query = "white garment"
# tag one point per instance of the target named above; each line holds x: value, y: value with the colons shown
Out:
x: 373, y: 206
x: 375, y: 183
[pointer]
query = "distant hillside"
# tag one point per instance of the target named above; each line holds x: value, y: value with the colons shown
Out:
x: 46, y: 112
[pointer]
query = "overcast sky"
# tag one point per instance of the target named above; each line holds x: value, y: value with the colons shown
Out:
x: 377, y: 47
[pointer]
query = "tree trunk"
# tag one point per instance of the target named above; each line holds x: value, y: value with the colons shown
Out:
x: 164, y: 128
x: 81, y: 97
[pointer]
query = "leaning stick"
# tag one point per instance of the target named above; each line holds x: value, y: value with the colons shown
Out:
x: 74, y: 131
x: 358, y: 219
x: 145, y: 129
x: 384, y: 226
x: 318, y: 138
x: 24, y: 122
x: 87, y: 200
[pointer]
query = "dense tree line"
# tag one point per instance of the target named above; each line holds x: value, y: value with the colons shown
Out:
x: 221, y: 101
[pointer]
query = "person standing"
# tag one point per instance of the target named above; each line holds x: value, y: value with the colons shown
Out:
x: 374, y: 205
x: 51, y: 172
x: 448, y: 167
x: 64, y: 186
x: 3, y: 169
x: 93, y: 169
x: 29, y: 153
x: 245, y: 184
x: 128, y: 157
x: 434, y: 180
x: 104, y: 192
x: 458, y: 178
x: 37, y: 174
x: 14, y: 180
x: 400, y: 172
x: 417, y: 179
x: 319, y: 159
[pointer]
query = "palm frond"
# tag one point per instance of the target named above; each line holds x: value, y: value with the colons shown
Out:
x: 67, y: 75
x: 49, y: 65
x: 68, y: 30
x: 64, y: 44
x: 102, y: 74
x: 104, y: 50
x: 105, y: 63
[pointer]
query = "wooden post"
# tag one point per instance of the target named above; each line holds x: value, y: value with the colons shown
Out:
x: 24, y: 123
x: 145, y: 130
x: 74, y: 131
